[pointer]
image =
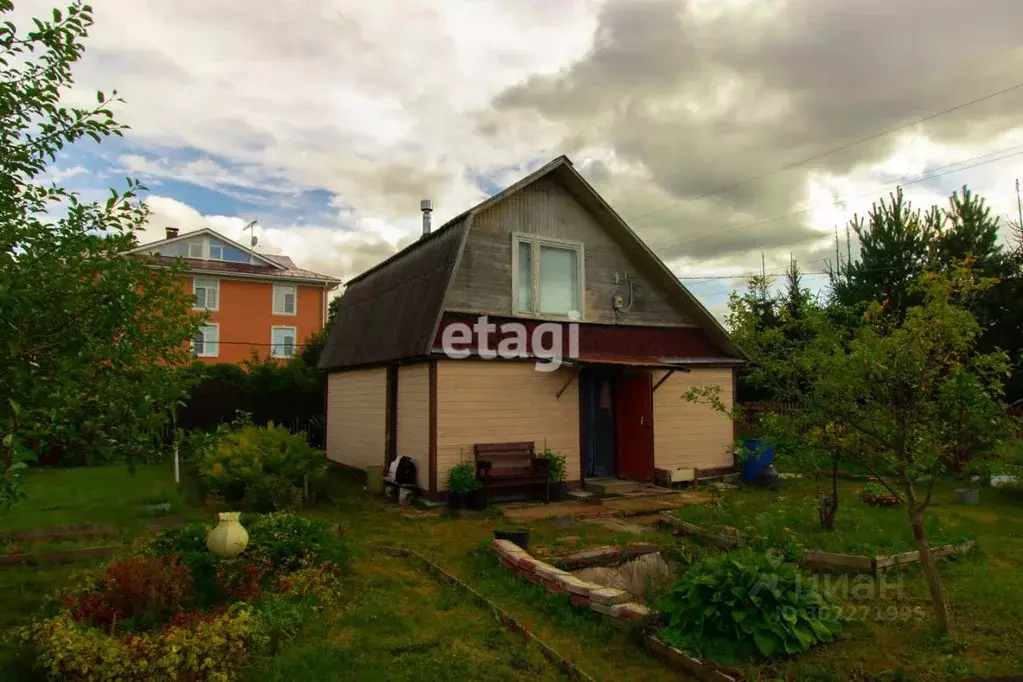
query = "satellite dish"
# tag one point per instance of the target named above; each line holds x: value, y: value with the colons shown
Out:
x: 255, y: 240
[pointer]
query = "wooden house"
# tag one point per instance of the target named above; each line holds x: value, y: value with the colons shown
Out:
x: 546, y: 252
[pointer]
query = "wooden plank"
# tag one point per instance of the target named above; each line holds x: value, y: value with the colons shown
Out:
x: 58, y: 556
x: 685, y: 663
x: 563, y: 664
x: 829, y: 562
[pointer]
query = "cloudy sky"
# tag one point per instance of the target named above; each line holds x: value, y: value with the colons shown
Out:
x: 328, y: 120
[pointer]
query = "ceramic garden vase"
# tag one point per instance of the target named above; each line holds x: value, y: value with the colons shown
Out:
x: 229, y: 538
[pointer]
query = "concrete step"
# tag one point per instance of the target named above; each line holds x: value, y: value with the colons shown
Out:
x: 611, y: 486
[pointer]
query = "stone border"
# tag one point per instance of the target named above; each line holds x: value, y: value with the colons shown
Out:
x: 604, y: 600
x: 563, y: 664
x: 815, y: 559
x: 608, y: 601
x: 684, y: 663
x: 604, y: 556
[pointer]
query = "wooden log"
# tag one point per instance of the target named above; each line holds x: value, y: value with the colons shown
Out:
x: 829, y: 562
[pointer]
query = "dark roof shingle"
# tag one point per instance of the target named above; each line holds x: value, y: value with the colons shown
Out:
x: 390, y: 313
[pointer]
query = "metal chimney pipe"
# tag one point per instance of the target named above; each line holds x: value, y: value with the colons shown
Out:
x: 426, y: 206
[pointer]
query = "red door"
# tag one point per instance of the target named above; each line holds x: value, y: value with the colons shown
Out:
x: 634, y: 411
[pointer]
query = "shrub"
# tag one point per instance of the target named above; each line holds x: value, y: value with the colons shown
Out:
x: 207, y: 647
x: 263, y: 468
x: 288, y: 541
x: 555, y: 465
x: 135, y: 593
x: 742, y: 604
x: 462, y: 478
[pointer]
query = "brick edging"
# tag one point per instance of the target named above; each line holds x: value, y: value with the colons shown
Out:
x: 608, y: 601
x: 566, y: 666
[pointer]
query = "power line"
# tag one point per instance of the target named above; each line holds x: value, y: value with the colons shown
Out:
x: 902, y: 182
x: 849, y: 145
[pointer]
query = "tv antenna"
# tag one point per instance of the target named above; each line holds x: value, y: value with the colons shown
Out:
x: 253, y: 240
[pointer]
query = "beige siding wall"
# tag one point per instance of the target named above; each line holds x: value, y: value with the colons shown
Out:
x: 356, y: 409
x: 414, y: 418
x: 688, y: 434
x: 503, y: 402
x: 483, y: 279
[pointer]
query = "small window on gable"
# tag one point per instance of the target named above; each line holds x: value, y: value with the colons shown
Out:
x: 195, y: 249
x: 206, y: 343
x: 285, y: 299
x: 282, y: 342
x: 547, y: 277
x: 216, y: 250
x: 207, y: 293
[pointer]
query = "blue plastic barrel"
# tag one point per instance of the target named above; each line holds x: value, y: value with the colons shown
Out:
x: 762, y: 455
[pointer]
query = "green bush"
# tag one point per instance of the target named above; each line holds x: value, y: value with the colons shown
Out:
x: 261, y: 468
x: 555, y: 465
x: 462, y: 478
x: 744, y: 604
x: 209, y: 647
x: 288, y: 541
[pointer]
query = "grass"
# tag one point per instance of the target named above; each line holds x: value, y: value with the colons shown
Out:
x: 107, y: 495
x: 399, y: 624
x: 402, y: 625
x: 790, y: 515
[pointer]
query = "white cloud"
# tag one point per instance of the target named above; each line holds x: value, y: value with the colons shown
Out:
x: 387, y: 102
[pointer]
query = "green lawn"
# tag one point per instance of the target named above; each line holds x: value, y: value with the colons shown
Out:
x: 791, y: 515
x: 398, y: 624
x: 109, y: 495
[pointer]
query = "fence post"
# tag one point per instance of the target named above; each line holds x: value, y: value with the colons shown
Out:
x: 177, y: 470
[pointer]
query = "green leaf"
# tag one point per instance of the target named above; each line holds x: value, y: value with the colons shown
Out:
x: 765, y: 643
x: 100, y: 97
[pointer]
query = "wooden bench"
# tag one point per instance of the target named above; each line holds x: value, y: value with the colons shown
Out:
x: 506, y: 465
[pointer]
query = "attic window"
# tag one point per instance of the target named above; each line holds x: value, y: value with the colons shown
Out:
x: 195, y: 249
x: 547, y: 277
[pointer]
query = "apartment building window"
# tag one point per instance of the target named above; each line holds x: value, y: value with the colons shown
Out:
x: 547, y: 277
x: 206, y: 343
x: 195, y: 249
x: 207, y: 292
x: 216, y: 251
x: 285, y: 296
x: 282, y: 342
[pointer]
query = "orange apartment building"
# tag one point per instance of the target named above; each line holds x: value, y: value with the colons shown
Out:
x: 255, y: 301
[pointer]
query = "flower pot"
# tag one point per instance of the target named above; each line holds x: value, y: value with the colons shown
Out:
x: 559, y: 491
x: 229, y: 538
x: 520, y: 536
x: 969, y: 496
x: 476, y: 500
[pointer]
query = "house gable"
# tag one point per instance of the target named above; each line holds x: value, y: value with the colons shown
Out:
x: 545, y: 208
x: 393, y: 311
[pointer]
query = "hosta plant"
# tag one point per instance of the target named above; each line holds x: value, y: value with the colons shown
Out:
x: 746, y: 604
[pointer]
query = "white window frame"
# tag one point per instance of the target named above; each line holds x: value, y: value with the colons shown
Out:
x: 273, y: 345
x: 273, y: 299
x: 536, y: 242
x: 195, y: 281
x: 210, y: 247
x: 216, y: 345
x: 202, y: 248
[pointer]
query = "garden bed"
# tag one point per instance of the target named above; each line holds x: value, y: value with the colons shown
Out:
x: 169, y: 609
x: 818, y: 560
x: 783, y: 519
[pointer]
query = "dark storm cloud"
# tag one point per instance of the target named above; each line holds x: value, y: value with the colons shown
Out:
x: 701, y: 104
